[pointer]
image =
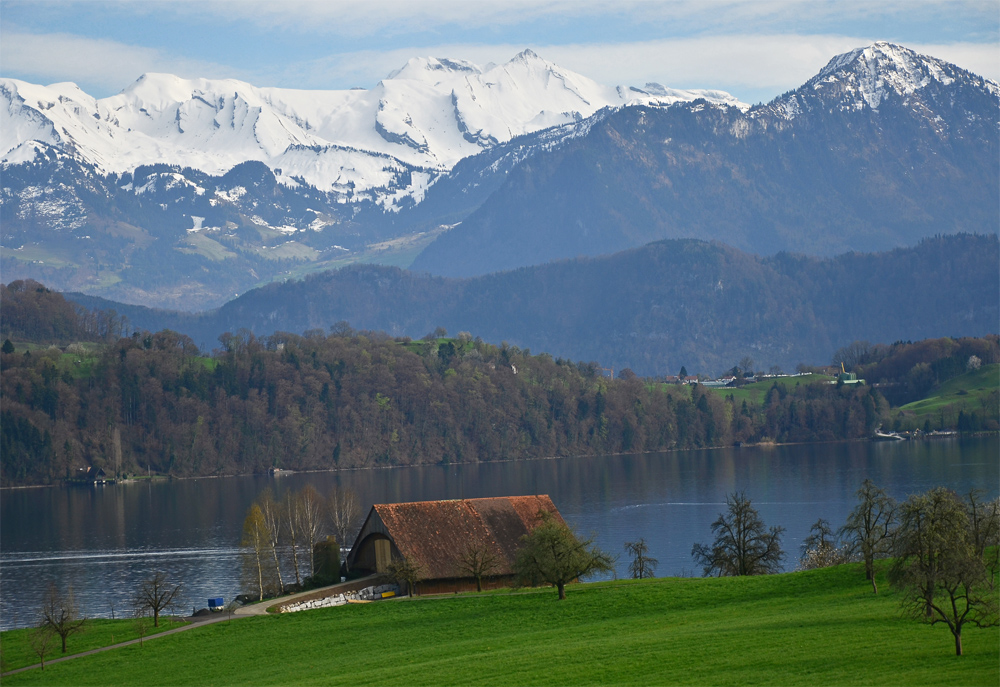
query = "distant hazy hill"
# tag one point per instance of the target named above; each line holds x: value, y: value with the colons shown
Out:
x: 654, y: 309
x: 883, y: 147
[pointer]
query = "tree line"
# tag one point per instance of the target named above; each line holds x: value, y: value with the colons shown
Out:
x: 151, y: 402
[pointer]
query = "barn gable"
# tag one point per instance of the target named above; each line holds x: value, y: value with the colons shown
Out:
x: 434, y: 534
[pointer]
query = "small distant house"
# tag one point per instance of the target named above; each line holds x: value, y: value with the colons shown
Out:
x: 95, y: 474
x: 434, y: 535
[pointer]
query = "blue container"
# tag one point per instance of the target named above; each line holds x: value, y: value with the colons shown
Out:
x: 217, y: 602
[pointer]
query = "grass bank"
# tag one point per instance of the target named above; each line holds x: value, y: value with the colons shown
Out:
x: 16, y: 651
x: 818, y: 627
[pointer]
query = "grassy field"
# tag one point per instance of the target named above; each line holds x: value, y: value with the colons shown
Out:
x: 967, y: 391
x: 819, y: 627
x: 757, y: 391
x: 16, y: 651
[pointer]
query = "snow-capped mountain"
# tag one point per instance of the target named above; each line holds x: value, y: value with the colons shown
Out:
x: 881, y: 148
x: 866, y: 77
x: 383, y: 144
x: 182, y: 193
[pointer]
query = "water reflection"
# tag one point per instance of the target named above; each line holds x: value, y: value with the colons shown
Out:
x: 103, y: 541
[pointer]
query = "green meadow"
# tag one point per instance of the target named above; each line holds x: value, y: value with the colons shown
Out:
x: 809, y: 628
x: 16, y: 652
x: 970, y: 392
x: 756, y: 392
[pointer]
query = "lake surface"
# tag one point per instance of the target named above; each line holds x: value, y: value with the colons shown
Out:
x: 103, y: 541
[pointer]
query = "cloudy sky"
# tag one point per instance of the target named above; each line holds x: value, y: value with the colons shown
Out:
x: 755, y: 49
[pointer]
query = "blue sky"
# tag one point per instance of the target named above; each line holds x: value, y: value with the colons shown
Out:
x: 755, y: 49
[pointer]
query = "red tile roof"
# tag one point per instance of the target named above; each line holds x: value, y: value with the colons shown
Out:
x: 435, y: 533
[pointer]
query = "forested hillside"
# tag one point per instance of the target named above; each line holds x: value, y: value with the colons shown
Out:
x: 652, y: 309
x: 153, y: 402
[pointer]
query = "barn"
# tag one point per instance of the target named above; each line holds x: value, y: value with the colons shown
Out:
x: 437, y: 536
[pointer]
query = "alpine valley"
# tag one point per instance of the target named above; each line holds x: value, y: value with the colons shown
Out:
x: 183, y: 193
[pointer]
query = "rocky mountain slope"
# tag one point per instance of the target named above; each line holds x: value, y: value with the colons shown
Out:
x: 882, y: 148
x: 179, y: 192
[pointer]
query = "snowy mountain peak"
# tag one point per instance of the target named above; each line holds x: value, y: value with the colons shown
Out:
x: 385, y: 144
x: 866, y: 77
x: 884, y: 69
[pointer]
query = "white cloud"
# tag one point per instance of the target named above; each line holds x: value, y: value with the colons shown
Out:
x: 750, y: 67
x: 96, y: 63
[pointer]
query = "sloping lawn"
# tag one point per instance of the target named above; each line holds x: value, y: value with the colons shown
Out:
x: 819, y: 627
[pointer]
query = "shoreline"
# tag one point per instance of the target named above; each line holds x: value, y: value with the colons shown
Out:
x: 761, y: 444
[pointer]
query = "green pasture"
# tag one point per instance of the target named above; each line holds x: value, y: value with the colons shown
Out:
x: 969, y: 391
x: 757, y: 391
x: 803, y: 628
x: 16, y: 652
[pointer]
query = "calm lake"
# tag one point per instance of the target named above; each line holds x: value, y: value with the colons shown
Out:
x: 103, y: 541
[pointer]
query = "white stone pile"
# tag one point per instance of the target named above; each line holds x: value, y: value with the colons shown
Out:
x: 366, y: 594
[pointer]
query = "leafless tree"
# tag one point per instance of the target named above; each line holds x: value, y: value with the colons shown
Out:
x: 743, y: 545
x: 870, y: 526
x: 478, y: 560
x: 60, y: 613
x: 943, y: 578
x: 157, y: 595
x: 822, y: 548
x: 642, y: 565
x: 40, y: 638
x: 140, y: 621
x: 271, y: 513
x: 290, y: 521
x: 256, y: 542
x: 405, y: 572
x: 344, y: 512
x: 984, y: 527
x: 310, y: 510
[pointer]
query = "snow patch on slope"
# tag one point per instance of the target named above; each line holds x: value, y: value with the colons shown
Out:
x: 385, y: 144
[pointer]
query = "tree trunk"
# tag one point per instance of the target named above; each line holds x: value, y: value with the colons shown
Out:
x: 874, y: 585
x: 156, y: 617
x: 63, y: 638
x: 958, y: 642
x: 562, y: 590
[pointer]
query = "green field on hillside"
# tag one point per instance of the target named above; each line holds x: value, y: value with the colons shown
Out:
x: 757, y: 391
x: 970, y: 392
x: 15, y: 647
x: 818, y: 627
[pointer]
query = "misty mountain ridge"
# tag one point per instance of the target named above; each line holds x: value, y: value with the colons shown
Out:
x: 652, y: 309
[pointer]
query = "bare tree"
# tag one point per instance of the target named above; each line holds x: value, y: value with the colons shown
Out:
x: 140, y: 621
x: 822, y: 548
x: 290, y: 521
x: 642, y: 565
x: 60, y: 613
x: 478, y: 560
x: 310, y: 510
x: 743, y: 545
x: 870, y: 526
x: 552, y: 554
x: 984, y: 527
x: 405, y: 572
x: 255, y: 543
x: 40, y: 638
x: 943, y: 578
x: 271, y: 513
x: 344, y: 512
x: 157, y: 595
